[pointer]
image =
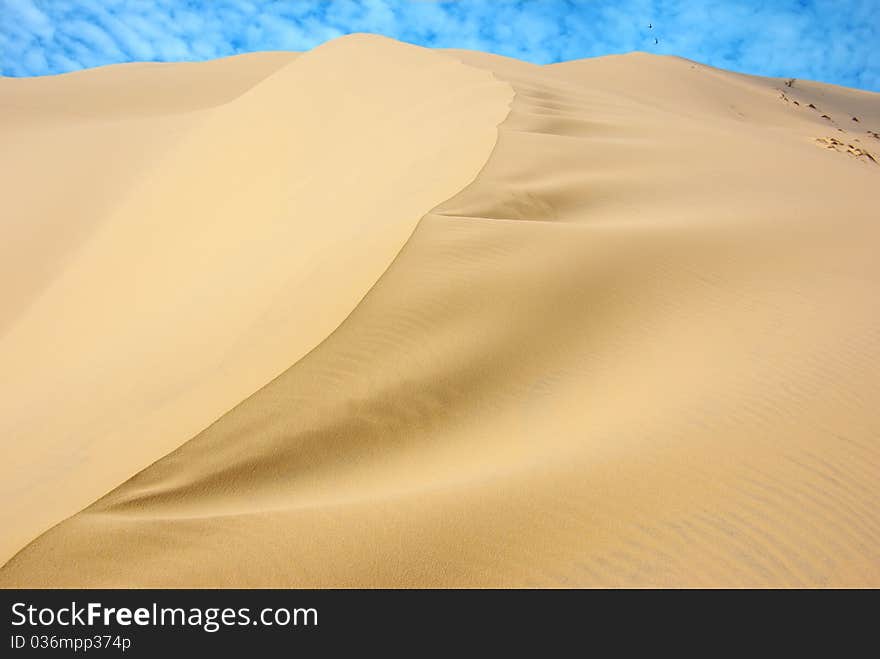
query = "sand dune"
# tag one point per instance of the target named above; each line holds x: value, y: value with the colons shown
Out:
x: 234, y: 241
x: 640, y: 348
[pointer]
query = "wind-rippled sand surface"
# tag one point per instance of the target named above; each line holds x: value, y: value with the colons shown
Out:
x: 612, y: 322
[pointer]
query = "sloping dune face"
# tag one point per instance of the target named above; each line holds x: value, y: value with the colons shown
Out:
x: 641, y: 349
x: 175, y: 236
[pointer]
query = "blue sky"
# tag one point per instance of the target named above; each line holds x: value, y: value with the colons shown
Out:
x: 829, y: 40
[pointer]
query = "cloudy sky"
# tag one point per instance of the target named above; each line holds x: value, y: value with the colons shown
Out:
x: 829, y: 40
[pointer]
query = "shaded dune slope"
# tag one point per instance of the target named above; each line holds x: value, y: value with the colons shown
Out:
x: 228, y: 242
x: 641, y: 348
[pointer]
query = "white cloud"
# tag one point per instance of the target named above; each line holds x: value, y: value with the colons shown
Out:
x: 818, y: 39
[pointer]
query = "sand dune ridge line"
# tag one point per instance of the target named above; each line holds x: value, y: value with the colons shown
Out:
x: 249, y: 238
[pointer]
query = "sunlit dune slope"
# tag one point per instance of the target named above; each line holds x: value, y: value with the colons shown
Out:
x: 175, y: 236
x: 641, y: 348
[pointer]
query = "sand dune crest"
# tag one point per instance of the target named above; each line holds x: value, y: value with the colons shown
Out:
x: 242, y: 238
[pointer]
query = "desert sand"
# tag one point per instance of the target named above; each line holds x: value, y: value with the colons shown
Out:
x: 380, y: 316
